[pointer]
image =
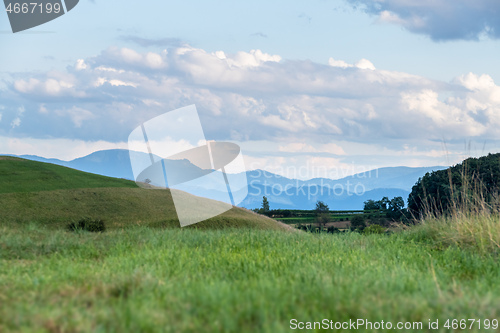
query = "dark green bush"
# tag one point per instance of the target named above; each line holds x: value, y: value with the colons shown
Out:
x: 332, y: 230
x: 358, y: 222
x: 374, y: 229
x: 87, y: 224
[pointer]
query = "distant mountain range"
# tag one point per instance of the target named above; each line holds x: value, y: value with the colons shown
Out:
x: 112, y: 163
x: 342, y: 194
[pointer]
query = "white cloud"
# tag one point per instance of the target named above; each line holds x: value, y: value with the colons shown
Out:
x: 77, y: 115
x: 254, y: 58
x: 128, y: 56
x: 361, y: 64
x: 365, y: 64
x: 51, y: 86
x: 16, y: 122
x: 338, y: 63
x: 389, y: 17
x: 109, y: 69
x: 115, y: 83
x: 443, y: 116
x: 298, y: 147
x: 301, y: 106
x: 80, y: 65
x: 43, y: 109
x: 151, y: 102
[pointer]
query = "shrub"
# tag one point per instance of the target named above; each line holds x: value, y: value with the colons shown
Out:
x: 374, y: 229
x: 322, y: 219
x: 332, y: 230
x: 306, y: 228
x: 358, y: 222
x: 380, y: 221
x: 87, y: 224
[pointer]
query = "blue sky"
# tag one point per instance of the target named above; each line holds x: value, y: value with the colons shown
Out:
x: 315, y: 85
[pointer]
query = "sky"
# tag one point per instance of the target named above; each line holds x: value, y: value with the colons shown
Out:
x: 316, y: 88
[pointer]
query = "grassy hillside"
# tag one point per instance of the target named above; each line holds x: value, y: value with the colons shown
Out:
x: 20, y: 176
x: 34, y: 192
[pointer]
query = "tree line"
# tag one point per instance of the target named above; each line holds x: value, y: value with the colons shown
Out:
x: 475, y: 180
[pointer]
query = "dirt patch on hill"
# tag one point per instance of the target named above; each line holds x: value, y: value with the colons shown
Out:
x: 339, y: 225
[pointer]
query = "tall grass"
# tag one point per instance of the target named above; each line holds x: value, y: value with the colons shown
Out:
x: 480, y: 232
x: 235, y: 280
x: 472, y: 220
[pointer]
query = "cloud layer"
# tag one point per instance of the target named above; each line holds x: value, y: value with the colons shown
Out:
x: 439, y: 19
x: 304, y: 107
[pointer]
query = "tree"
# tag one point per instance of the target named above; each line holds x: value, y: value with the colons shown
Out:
x: 322, y: 219
x: 376, y: 205
x: 396, y: 206
x: 265, y: 205
x: 321, y: 207
x: 444, y: 190
x: 358, y: 222
x: 322, y: 213
x: 384, y: 202
x: 371, y: 205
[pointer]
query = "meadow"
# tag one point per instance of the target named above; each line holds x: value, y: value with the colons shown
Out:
x: 239, y: 272
x: 142, y: 279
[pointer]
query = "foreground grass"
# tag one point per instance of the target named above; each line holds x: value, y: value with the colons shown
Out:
x: 477, y: 231
x: 148, y: 280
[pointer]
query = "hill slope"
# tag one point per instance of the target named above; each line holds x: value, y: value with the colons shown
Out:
x: 35, y: 192
x: 20, y: 175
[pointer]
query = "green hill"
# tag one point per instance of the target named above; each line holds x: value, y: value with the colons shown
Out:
x: 18, y: 175
x: 35, y: 192
x: 465, y: 183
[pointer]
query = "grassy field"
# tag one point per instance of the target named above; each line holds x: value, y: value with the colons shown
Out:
x: 238, y: 272
x: 239, y: 280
